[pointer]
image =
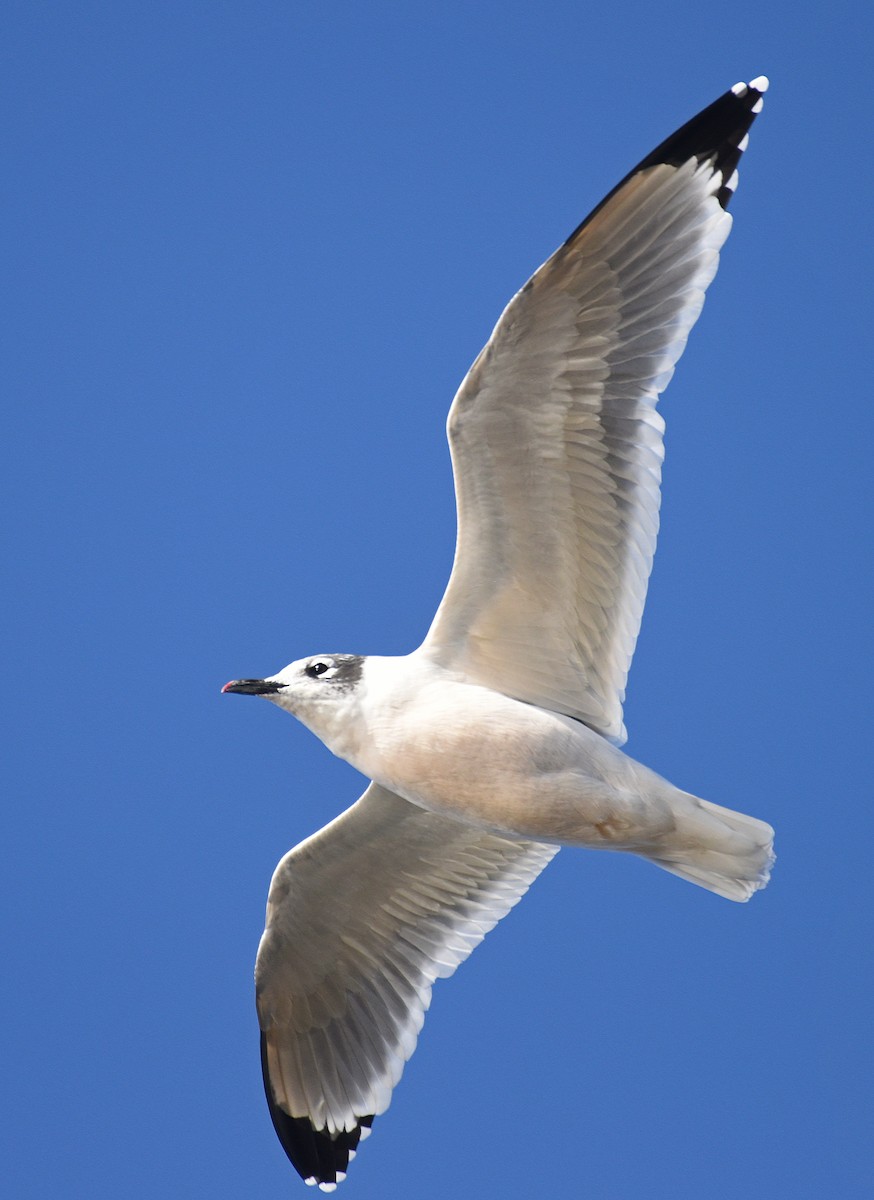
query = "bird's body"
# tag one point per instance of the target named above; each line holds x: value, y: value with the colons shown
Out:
x: 465, y: 751
x: 497, y: 740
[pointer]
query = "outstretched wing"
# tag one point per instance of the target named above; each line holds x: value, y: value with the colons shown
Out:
x: 361, y: 919
x: 556, y: 442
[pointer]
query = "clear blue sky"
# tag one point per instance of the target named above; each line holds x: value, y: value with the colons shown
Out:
x: 250, y: 251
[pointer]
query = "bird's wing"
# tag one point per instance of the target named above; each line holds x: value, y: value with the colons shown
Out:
x: 361, y: 919
x: 556, y: 443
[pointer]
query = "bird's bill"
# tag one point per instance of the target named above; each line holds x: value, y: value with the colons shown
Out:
x: 253, y: 687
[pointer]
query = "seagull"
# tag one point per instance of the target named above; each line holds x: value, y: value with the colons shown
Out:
x: 497, y: 740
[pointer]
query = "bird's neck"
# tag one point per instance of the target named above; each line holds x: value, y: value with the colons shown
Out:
x: 356, y: 728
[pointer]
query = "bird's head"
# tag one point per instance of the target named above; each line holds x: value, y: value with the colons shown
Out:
x: 312, y: 689
x: 305, y: 683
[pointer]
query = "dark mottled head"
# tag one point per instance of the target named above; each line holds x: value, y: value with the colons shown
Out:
x: 308, y: 686
x: 339, y: 670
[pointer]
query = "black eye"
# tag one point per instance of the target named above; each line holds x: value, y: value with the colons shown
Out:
x: 317, y: 668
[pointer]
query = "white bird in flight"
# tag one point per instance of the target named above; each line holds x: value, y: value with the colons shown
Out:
x: 496, y: 741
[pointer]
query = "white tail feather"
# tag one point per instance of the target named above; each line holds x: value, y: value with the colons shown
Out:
x: 722, y: 850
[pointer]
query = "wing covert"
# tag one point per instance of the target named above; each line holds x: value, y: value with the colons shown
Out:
x: 361, y: 919
x: 556, y: 442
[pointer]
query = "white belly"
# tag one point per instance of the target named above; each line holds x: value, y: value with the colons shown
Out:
x: 510, y: 767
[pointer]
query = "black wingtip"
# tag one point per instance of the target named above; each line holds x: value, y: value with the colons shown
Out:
x: 716, y: 133
x: 317, y: 1156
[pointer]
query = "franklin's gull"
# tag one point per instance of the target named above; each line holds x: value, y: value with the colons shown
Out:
x: 496, y: 741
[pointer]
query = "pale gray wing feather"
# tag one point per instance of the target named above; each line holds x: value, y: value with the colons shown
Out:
x: 557, y: 450
x: 361, y: 919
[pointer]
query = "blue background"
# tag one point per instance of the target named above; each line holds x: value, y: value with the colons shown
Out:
x: 251, y: 250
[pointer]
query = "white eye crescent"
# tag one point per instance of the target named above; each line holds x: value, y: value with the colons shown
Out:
x: 320, y: 667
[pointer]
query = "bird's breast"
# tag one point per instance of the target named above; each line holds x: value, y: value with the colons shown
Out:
x: 488, y: 759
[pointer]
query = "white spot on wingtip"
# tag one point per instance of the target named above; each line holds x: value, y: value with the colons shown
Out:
x: 757, y: 107
x: 732, y: 182
x: 327, y: 1187
x: 311, y: 1182
x: 365, y: 1132
x: 743, y: 143
x: 352, y: 1154
x: 760, y: 83
x: 740, y: 89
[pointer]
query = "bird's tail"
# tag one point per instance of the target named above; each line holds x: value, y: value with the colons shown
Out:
x: 719, y: 849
